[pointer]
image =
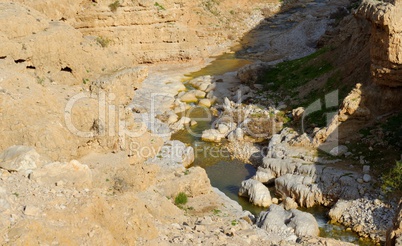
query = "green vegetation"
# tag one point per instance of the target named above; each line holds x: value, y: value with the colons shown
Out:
x: 292, y: 74
x: 180, y: 199
x: 40, y: 80
x: 102, y: 41
x: 160, y: 7
x: 85, y: 81
x: 392, y: 180
x: 216, y: 211
x: 354, y: 5
x: 234, y: 222
x: 393, y: 130
x: 114, y: 6
x: 210, y: 5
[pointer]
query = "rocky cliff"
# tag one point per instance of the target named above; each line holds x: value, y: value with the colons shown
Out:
x: 54, y: 51
x: 385, y: 41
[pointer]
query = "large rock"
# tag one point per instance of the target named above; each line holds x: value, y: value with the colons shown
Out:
x: 290, y: 224
x: 257, y: 193
x: 20, y: 158
x: 300, y: 188
x: 174, y: 154
x: 250, y: 74
x: 304, y: 224
x: 264, y: 175
x: 73, y: 174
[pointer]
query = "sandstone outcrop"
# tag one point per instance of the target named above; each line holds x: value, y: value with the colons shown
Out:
x: 72, y: 173
x: 180, y: 30
x: 385, y: 40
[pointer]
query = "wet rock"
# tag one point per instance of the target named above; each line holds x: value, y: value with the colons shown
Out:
x: 257, y: 193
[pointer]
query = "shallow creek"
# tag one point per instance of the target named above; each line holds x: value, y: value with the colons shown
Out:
x: 226, y: 174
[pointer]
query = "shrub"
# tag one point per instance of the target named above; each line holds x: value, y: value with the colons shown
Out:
x: 102, y: 41
x: 180, y: 199
x: 392, y: 180
x: 113, y: 6
x: 160, y: 7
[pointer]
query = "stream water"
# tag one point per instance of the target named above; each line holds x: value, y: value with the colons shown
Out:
x: 226, y: 174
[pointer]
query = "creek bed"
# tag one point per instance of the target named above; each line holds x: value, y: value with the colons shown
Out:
x: 226, y: 173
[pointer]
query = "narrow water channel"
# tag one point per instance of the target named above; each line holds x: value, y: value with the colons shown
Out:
x: 226, y: 174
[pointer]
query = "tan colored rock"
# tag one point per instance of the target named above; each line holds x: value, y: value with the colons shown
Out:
x: 353, y: 106
x: 73, y: 174
x: 20, y: 158
x: 189, y: 98
x: 205, y: 102
x: 385, y: 40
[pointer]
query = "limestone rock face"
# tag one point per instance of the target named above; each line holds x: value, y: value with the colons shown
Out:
x: 385, y: 41
x: 180, y: 30
x: 19, y: 158
x: 72, y: 173
x: 300, y: 188
x: 257, y: 193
